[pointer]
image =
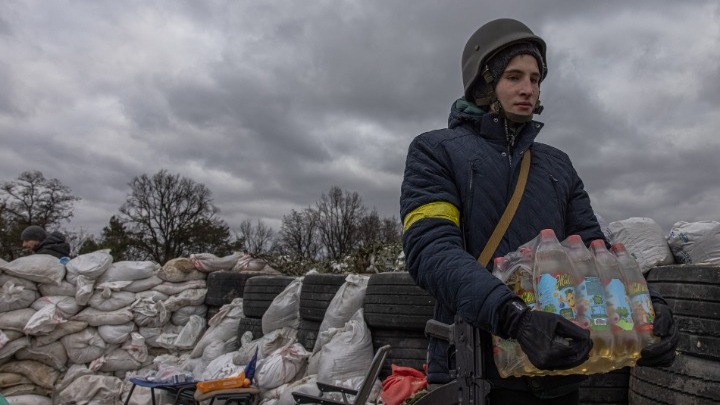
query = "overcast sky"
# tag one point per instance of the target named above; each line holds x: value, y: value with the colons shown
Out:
x: 270, y: 103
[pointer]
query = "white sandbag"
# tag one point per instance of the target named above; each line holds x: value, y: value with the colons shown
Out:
x: 347, y: 300
x: 97, y: 318
x: 151, y: 295
x: 146, y: 312
x: 281, y: 366
x: 169, y: 288
x: 695, y: 242
x: 23, y: 282
x: 91, y: 265
x: 190, y: 333
x: 14, y: 296
x: 150, y: 335
x: 186, y: 298
x: 26, y: 389
x: 208, y: 262
x: 67, y: 306
x: 92, y: 389
x: 644, y: 239
x: 30, y: 399
x: 63, y: 329
x: 143, y: 284
x: 221, y: 367
x: 128, y: 270
x: 40, y: 374
x: 132, y: 355
x: 264, y: 345
x: 10, y: 379
x: 16, y: 320
x: 180, y: 270
x: 306, y: 385
x: 84, y: 346
x: 182, y: 315
x: 40, y: 268
x: 13, y: 347
x: 107, y: 300
x: 65, y: 289
x: 116, y: 334
x: 222, y: 326
x: 3, y: 339
x: 44, y: 321
x: 84, y: 288
x: 53, y: 355
x: 348, y: 353
x: 284, y: 310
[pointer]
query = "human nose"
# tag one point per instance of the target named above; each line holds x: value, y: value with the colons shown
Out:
x: 526, y: 87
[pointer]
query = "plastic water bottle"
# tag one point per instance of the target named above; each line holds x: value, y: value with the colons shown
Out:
x: 625, y: 341
x: 637, y: 289
x: 517, y: 275
x: 554, y: 277
x: 590, y: 304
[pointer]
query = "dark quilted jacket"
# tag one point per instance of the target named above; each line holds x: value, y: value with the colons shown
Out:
x: 469, y: 166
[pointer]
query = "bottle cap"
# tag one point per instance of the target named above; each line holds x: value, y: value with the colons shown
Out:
x: 574, y: 239
x: 617, y: 247
x: 547, y: 233
x: 597, y: 243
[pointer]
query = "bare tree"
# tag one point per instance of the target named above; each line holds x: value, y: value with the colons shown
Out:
x: 31, y: 200
x: 299, y: 234
x: 256, y: 239
x: 169, y: 216
x: 338, y: 218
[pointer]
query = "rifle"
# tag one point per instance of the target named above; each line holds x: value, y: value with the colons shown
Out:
x: 468, y: 386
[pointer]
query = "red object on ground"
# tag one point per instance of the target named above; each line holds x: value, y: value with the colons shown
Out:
x: 401, y: 384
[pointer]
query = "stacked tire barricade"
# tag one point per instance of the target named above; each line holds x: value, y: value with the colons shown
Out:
x: 693, y: 293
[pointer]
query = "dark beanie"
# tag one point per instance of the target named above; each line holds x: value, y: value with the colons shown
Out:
x: 33, y: 232
x: 498, y: 63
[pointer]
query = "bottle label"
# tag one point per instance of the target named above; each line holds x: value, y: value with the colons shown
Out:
x: 591, y: 303
x: 642, y: 309
x: 619, y: 312
x: 556, y: 294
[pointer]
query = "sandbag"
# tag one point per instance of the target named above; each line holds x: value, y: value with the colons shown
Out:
x: 97, y: 318
x: 208, y: 262
x: 84, y: 346
x: 30, y: 399
x: 347, y: 354
x: 66, y: 306
x: 190, y: 333
x: 107, y: 300
x: 347, y: 301
x: 10, y: 379
x: 180, y: 270
x: 92, y: 389
x: 91, y: 265
x: 40, y: 374
x: 128, y: 270
x: 182, y: 315
x: 169, y: 288
x: 64, y: 289
x: 16, y: 320
x: 695, y: 242
x: 13, y: 347
x: 644, y: 239
x: 281, y: 366
x: 185, y: 298
x: 63, y: 329
x: 146, y: 312
x: 53, y: 355
x: 15, y: 296
x: 284, y: 310
x: 222, y: 326
x: 143, y: 284
x: 40, y: 268
x: 116, y: 334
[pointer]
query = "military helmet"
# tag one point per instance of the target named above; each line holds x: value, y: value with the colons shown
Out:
x: 490, y: 39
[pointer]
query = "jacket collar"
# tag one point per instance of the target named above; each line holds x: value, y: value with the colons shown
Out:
x: 490, y: 125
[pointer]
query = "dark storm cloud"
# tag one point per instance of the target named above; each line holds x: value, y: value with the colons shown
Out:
x: 271, y: 103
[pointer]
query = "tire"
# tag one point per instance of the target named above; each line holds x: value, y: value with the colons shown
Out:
x: 690, y: 381
x: 409, y: 348
x: 225, y: 286
x: 606, y: 389
x: 253, y: 325
x: 260, y: 292
x: 317, y: 292
x: 307, y: 333
x: 394, y: 301
x: 693, y: 293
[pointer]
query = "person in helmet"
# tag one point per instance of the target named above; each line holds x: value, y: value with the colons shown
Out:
x: 36, y: 240
x: 456, y: 186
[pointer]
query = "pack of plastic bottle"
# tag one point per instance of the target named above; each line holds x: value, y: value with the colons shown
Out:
x: 600, y: 290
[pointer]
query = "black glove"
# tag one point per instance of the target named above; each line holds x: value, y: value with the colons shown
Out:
x: 662, y: 353
x: 550, y: 341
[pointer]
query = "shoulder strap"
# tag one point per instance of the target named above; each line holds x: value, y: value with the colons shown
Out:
x: 507, y: 216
